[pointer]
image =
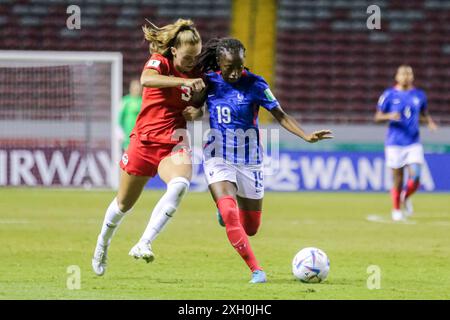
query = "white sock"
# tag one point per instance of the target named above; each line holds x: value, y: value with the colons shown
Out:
x: 112, y: 220
x: 165, y: 208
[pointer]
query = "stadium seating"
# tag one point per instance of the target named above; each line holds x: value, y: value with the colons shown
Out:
x: 329, y: 66
x: 106, y: 25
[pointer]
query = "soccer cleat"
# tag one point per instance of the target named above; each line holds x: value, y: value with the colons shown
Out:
x: 99, y: 261
x: 409, y: 209
x: 407, y: 204
x: 219, y: 218
x: 142, y: 250
x: 258, y: 276
x: 397, y: 215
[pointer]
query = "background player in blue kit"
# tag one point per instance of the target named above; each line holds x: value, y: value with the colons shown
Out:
x: 233, y: 155
x: 404, y: 106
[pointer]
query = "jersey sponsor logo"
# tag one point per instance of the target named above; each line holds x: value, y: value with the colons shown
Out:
x: 269, y: 95
x: 154, y: 63
x: 125, y: 159
x: 396, y: 101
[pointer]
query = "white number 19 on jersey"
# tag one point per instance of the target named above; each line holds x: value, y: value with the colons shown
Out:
x: 223, y: 114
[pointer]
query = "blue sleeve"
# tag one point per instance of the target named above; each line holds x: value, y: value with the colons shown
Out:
x: 207, y: 78
x: 263, y: 96
x: 423, y: 102
x: 384, y: 102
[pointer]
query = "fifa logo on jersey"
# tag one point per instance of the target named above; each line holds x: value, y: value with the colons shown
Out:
x: 154, y: 63
x: 125, y: 159
x: 269, y: 95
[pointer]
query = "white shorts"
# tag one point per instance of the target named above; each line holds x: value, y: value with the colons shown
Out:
x: 249, y: 179
x: 400, y: 156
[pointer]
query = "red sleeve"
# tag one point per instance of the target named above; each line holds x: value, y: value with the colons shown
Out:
x: 159, y: 63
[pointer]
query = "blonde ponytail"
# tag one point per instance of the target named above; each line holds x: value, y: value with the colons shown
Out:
x: 172, y: 35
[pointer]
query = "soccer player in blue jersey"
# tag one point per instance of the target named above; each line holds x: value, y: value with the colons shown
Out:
x: 232, y: 154
x: 403, y: 107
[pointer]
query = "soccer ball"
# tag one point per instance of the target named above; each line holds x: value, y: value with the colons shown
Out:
x: 311, y: 265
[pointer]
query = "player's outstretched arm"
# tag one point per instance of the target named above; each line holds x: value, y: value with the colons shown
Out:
x: 426, y: 118
x: 290, y: 124
x: 152, y: 79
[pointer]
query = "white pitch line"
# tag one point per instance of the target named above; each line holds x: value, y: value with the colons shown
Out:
x: 69, y: 221
x: 6, y: 221
x: 438, y: 223
x: 381, y: 219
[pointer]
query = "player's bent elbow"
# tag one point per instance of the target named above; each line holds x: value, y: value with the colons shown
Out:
x: 149, y: 79
x: 146, y: 82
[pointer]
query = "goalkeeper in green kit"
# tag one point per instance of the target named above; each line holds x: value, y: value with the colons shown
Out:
x: 131, y: 105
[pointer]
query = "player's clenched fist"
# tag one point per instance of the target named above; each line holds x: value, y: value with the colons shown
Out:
x: 196, y: 84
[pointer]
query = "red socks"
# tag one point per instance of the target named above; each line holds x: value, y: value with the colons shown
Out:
x: 250, y: 220
x: 411, y: 187
x: 236, y: 235
x: 395, y: 193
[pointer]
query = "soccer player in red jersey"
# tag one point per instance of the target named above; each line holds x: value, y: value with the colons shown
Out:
x: 169, y: 84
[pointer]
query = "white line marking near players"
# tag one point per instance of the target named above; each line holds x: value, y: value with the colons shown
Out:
x: 438, y: 223
x: 43, y: 221
x: 6, y: 221
x: 87, y: 221
x: 381, y: 219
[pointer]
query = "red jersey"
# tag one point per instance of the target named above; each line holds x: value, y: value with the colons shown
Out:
x: 161, y: 110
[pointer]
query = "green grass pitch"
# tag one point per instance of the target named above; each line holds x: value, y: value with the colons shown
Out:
x: 43, y: 232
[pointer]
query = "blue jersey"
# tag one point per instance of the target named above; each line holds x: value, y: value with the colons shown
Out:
x: 233, y: 117
x: 409, y: 104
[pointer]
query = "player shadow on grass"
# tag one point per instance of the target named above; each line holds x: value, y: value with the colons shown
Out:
x: 293, y: 280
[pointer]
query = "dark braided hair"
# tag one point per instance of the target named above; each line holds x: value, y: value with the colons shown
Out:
x: 207, y: 60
